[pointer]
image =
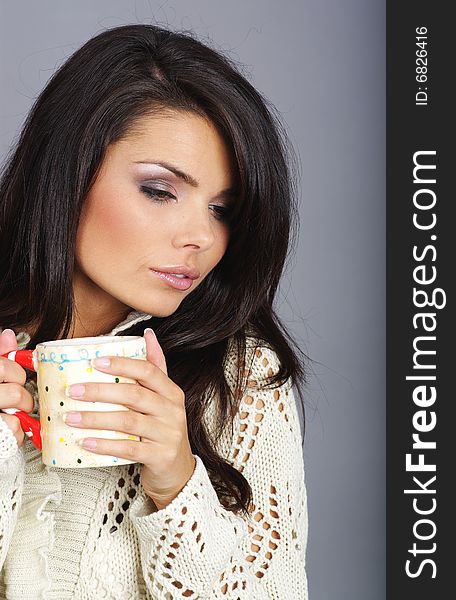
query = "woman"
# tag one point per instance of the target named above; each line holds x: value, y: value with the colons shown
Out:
x: 148, y: 155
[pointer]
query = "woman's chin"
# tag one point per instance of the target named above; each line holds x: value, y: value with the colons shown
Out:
x: 163, y: 310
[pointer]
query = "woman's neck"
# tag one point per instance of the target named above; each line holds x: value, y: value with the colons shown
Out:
x: 88, y: 327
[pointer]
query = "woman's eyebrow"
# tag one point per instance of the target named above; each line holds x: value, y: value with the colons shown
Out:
x: 169, y: 167
x: 226, y: 194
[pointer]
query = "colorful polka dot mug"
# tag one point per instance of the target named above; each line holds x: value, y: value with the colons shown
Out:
x: 61, y: 363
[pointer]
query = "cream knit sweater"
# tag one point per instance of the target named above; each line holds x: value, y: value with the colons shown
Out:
x: 93, y: 533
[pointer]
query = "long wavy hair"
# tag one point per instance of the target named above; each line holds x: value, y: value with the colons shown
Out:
x: 95, y: 99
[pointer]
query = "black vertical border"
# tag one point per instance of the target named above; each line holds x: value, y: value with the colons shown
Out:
x: 412, y: 128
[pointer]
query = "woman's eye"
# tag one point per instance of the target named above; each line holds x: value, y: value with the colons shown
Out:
x: 221, y: 212
x: 158, y: 195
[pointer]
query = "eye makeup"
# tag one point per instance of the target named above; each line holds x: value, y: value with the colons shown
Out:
x: 178, y: 173
x: 163, y: 183
x: 155, y: 192
x: 221, y: 212
x: 170, y: 174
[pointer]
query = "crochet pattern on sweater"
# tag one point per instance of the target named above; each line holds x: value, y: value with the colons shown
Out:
x: 93, y: 533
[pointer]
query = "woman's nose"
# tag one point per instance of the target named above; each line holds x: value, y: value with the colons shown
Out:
x: 195, y: 229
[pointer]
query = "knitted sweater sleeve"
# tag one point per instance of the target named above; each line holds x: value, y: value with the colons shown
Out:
x: 195, y: 548
x: 11, y: 485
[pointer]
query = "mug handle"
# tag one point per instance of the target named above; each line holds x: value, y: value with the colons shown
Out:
x: 30, y: 425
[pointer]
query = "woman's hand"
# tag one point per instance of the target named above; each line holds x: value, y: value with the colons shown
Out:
x: 12, y: 391
x: 156, y: 414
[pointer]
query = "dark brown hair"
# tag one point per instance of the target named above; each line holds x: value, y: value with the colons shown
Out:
x: 94, y: 100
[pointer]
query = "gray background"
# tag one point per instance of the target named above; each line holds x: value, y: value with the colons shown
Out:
x: 322, y: 63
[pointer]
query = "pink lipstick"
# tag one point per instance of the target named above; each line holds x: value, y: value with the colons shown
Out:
x: 178, y: 283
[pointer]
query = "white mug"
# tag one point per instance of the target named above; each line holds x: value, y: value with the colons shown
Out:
x: 61, y: 363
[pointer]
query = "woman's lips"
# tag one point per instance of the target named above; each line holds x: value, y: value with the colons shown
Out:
x: 178, y: 283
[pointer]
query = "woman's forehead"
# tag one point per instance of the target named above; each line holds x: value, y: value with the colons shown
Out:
x: 189, y: 142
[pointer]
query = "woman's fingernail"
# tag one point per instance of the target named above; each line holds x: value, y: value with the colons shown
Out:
x: 72, y: 417
x: 102, y: 362
x: 89, y: 443
x: 8, y: 331
x: 76, y: 390
x: 151, y: 330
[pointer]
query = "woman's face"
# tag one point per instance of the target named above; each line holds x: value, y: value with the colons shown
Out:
x: 158, y: 202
